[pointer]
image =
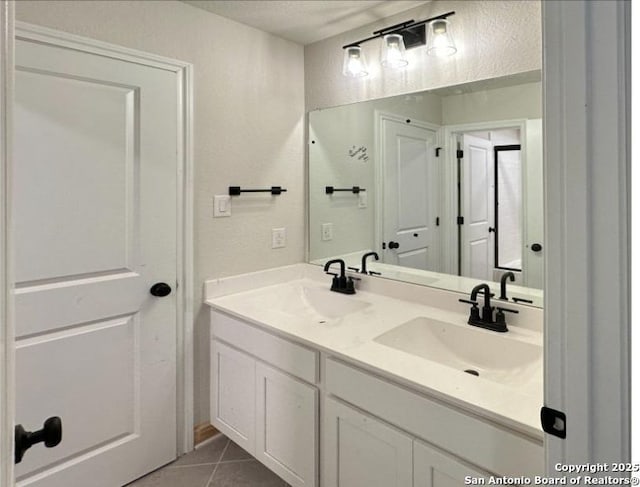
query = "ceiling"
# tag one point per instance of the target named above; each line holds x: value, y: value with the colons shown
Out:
x: 305, y: 21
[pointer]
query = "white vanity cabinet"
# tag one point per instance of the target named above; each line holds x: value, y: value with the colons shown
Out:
x: 358, y: 450
x: 271, y: 412
x: 363, y: 428
x: 432, y: 468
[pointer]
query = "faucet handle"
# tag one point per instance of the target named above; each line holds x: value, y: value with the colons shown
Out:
x: 353, y: 269
x: 334, y: 274
x: 374, y: 273
x: 515, y: 311
x: 468, y: 301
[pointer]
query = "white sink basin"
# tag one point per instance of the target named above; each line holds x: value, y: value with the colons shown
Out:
x: 305, y: 302
x: 490, y: 355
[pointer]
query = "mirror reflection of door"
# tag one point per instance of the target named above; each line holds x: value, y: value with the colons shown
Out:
x: 491, y: 234
x: 476, y: 235
x: 410, y: 194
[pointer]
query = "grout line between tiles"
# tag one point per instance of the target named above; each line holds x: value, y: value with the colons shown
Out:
x: 238, y: 461
x: 208, y: 484
x: 192, y: 465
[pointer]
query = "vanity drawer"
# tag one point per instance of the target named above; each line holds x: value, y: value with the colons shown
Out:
x: 487, y: 445
x: 278, y: 352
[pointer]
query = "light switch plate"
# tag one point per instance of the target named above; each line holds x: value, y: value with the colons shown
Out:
x: 221, y: 205
x: 362, y: 199
x: 278, y: 238
x: 327, y: 231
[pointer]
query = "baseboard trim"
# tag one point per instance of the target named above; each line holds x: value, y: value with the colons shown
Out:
x: 202, y: 432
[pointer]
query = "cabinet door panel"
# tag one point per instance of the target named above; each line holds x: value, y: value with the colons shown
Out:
x: 286, y: 426
x: 436, y: 469
x: 361, y: 451
x: 233, y: 395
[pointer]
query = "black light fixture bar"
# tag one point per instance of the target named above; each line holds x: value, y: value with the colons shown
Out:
x: 354, y: 189
x: 236, y: 190
x: 398, y: 28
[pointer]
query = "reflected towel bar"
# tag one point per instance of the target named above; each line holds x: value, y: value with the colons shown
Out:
x: 236, y: 190
x: 354, y: 189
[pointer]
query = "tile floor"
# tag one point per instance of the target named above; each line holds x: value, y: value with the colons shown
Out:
x: 218, y: 463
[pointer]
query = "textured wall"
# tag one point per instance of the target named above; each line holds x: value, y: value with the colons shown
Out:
x: 249, y: 117
x: 494, y: 38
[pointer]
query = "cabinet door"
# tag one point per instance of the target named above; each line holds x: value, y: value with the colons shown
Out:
x: 435, y: 469
x: 358, y: 450
x: 286, y: 426
x: 233, y: 396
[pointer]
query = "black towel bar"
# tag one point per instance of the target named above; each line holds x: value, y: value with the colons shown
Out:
x: 236, y: 190
x: 354, y: 189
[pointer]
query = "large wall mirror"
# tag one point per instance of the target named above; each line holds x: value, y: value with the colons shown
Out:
x: 446, y: 186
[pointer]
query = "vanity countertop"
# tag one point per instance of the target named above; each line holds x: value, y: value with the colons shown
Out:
x: 269, y: 300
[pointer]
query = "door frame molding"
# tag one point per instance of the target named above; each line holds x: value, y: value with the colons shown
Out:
x: 587, y: 167
x: 185, y: 276
x: 450, y: 202
x: 7, y: 361
x: 378, y: 175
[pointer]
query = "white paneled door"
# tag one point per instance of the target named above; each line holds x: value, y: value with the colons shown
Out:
x: 410, y: 195
x: 94, y: 204
x: 478, y: 208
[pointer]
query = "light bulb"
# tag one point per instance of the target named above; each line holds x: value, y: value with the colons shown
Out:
x: 354, y: 63
x: 439, y: 40
x: 393, y: 51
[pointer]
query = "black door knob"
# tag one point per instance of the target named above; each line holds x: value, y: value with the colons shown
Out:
x: 491, y: 229
x: 394, y: 245
x: 536, y: 247
x: 160, y: 289
x: 50, y: 434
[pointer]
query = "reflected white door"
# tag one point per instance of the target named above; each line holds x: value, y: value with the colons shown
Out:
x: 95, y: 227
x: 410, y: 195
x: 477, y: 208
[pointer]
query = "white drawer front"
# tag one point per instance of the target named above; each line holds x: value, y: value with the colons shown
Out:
x: 279, y: 352
x: 487, y: 445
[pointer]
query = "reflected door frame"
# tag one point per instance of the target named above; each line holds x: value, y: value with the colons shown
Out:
x: 449, y: 234
x: 184, y: 228
x: 380, y: 117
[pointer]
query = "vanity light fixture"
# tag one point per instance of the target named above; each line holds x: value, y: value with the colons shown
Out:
x: 439, y: 40
x: 393, y: 52
x: 396, y: 39
x: 354, y: 63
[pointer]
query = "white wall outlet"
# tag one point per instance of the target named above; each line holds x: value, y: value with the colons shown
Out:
x: 327, y: 231
x: 278, y: 238
x: 362, y: 199
x: 221, y: 205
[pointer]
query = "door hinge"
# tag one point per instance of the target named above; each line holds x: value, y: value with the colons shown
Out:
x: 459, y: 154
x: 553, y: 422
x: 437, y: 221
x: 438, y: 149
x: 460, y: 220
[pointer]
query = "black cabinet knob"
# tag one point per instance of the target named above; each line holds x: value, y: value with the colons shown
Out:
x: 491, y: 229
x: 536, y: 247
x: 160, y: 289
x: 50, y: 435
x: 394, y: 245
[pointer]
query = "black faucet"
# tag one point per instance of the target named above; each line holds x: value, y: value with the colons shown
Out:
x: 363, y: 268
x: 340, y: 284
x: 486, y: 320
x: 503, y: 284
